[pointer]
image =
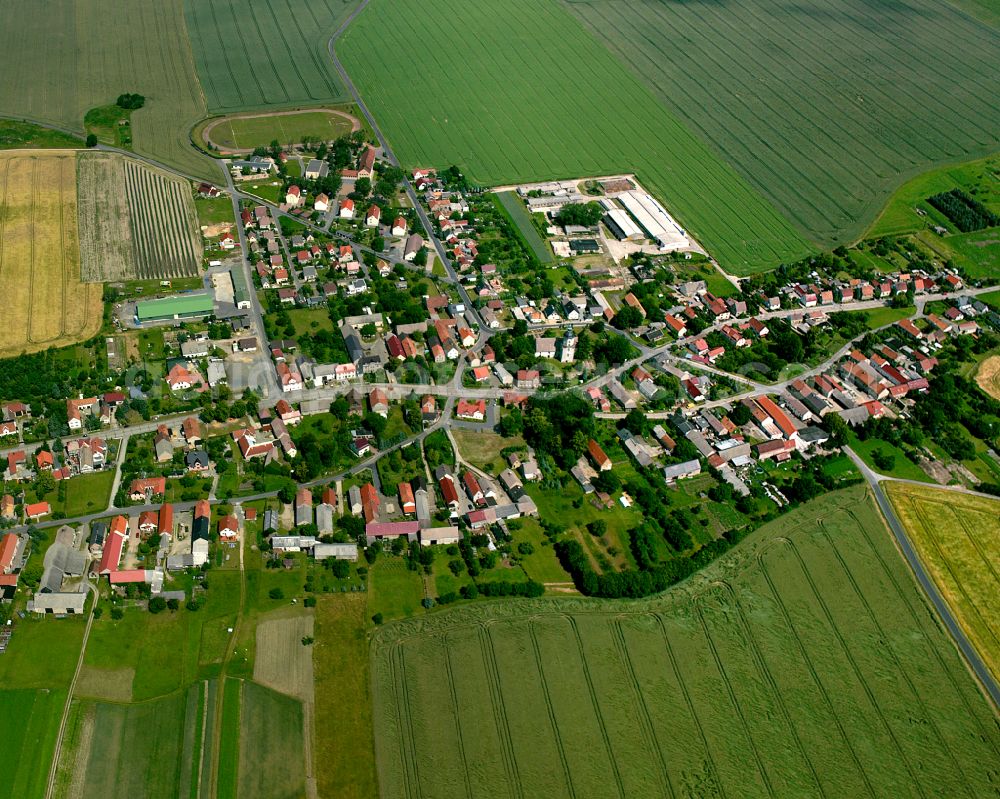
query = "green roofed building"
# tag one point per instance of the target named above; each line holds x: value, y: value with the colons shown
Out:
x: 184, y: 306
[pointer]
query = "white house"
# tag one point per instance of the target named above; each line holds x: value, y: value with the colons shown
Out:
x: 399, y: 227
x: 293, y: 197
x: 321, y: 203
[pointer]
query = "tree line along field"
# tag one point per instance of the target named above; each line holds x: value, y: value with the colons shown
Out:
x: 64, y: 57
x: 136, y: 222
x: 266, y: 52
x: 957, y: 537
x: 46, y: 303
x: 803, y: 663
x: 825, y: 106
x: 531, y: 95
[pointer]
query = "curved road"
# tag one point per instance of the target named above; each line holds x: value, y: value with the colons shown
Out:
x: 972, y: 658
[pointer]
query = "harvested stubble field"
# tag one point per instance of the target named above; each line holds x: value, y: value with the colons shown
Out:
x: 136, y: 222
x: 531, y: 95
x: 64, y: 57
x: 150, y: 749
x: 265, y: 52
x: 282, y: 662
x: 804, y: 663
x: 46, y: 304
x: 825, y: 106
x: 958, y: 538
x: 988, y: 376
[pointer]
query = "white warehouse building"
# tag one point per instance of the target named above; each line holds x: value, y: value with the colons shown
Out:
x: 654, y: 219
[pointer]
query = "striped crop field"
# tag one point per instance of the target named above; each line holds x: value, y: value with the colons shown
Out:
x: 517, y: 90
x: 259, y: 53
x: 136, y: 222
x: 45, y: 303
x: 519, y: 215
x: 64, y: 57
x: 958, y: 538
x: 803, y: 663
x: 825, y: 106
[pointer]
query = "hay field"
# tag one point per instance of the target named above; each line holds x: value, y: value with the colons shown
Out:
x: 958, y: 538
x: 264, y: 52
x: 64, y: 57
x: 825, y: 106
x: 988, y: 376
x: 531, y: 95
x: 46, y: 304
x: 803, y: 663
x: 272, y: 748
x: 136, y: 222
x: 282, y: 662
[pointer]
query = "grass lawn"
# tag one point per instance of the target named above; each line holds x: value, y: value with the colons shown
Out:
x: 213, y: 210
x: 310, y: 320
x: 111, y: 124
x: 903, y: 468
x: 269, y: 189
x: 542, y: 565
x: 482, y: 449
x: 344, y: 742
x: 16, y: 135
x: 394, y: 590
x: 229, y: 745
x: 880, y: 317
x: 271, y: 746
x: 88, y: 493
x: 42, y: 652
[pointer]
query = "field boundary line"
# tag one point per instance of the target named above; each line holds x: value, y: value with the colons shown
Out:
x: 937, y: 623
x: 768, y: 677
x: 458, y: 717
x: 858, y: 674
x: 500, y: 719
x: 596, y: 703
x: 709, y: 759
x: 696, y: 604
x: 408, y: 739
x: 803, y: 652
x: 646, y: 722
x: 942, y: 741
x: 548, y: 707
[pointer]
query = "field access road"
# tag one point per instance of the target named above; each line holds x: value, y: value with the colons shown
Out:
x: 54, y: 766
x: 965, y: 647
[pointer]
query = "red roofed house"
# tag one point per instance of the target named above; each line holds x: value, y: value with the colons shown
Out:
x: 192, y: 430
x: 229, y: 528
x: 8, y: 551
x: 473, y: 488
x: 44, y: 459
x: 180, y: 378
x: 114, y: 543
x: 146, y: 488
x: 907, y: 326
x: 406, y: 501
x: 37, y: 510
x: 448, y: 492
x: 148, y: 521
x: 475, y: 410
x: 126, y: 576
x: 399, y: 227
x: 321, y: 203
x: 379, y: 402
x: 369, y: 502
x: 779, y: 416
x: 293, y: 196
x: 346, y: 209
x: 601, y: 460
x: 375, y: 531
x: 165, y: 520
x: 373, y: 217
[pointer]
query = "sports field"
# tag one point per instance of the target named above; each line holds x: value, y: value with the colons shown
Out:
x: 958, y: 539
x: 803, y: 663
x: 245, y: 132
x: 265, y: 52
x: 45, y: 303
x: 825, y: 106
x: 136, y: 222
x: 63, y: 58
x: 531, y: 95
